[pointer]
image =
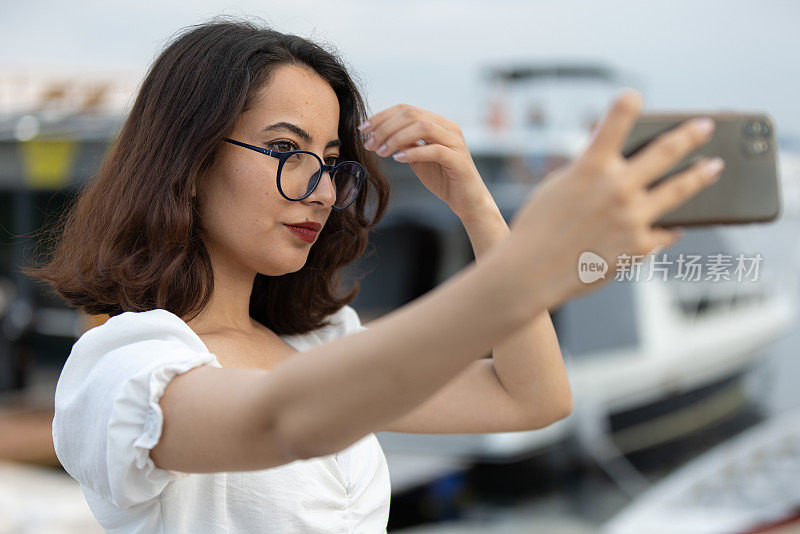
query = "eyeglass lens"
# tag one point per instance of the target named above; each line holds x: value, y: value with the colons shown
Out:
x: 301, y: 172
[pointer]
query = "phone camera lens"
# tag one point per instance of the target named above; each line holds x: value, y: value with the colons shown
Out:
x: 757, y: 128
x: 757, y: 146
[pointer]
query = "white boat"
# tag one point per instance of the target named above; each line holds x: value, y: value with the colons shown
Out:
x: 649, y: 361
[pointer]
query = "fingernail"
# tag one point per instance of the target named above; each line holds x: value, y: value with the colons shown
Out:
x: 370, y: 144
x: 704, y: 125
x: 399, y: 156
x: 382, y: 150
x: 714, y: 166
x: 363, y: 126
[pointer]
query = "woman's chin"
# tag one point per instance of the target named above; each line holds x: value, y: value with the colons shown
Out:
x: 280, y: 268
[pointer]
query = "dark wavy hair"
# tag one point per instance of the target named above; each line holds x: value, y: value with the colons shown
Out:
x: 132, y: 240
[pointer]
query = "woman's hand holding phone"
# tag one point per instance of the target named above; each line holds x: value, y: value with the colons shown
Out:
x: 601, y: 203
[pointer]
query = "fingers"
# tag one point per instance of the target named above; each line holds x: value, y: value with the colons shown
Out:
x: 406, y: 135
x: 436, y: 152
x: 376, y: 120
x: 411, y: 112
x: 615, y: 128
x: 400, y: 126
x: 669, y: 148
x: 679, y: 188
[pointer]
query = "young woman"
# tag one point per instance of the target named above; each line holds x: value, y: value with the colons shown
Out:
x: 233, y: 389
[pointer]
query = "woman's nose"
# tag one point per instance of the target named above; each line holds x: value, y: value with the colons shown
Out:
x: 325, y: 192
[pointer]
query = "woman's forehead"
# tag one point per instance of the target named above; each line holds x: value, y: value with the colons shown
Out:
x: 299, y: 96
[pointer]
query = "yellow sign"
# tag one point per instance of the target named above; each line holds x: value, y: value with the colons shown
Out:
x: 48, y: 163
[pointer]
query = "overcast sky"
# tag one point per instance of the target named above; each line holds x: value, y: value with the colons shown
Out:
x: 691, y: 54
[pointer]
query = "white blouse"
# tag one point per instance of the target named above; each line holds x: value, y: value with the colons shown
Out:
x: 107, y: 418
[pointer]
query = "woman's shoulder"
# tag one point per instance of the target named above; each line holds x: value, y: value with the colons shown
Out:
x: 132, y: 327
x: 343, y: 321
x: 131, y: 340
x: 107, y: 413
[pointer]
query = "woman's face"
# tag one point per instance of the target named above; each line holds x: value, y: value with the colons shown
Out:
x: 241, y: 209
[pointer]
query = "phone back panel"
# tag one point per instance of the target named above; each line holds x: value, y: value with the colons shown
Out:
x: 748, y: 190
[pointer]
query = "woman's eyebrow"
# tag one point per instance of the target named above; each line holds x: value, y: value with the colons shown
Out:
x: 301, y: 133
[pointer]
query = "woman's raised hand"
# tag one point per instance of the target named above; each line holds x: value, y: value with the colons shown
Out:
x: 442, y: 163
x: 601, y: 203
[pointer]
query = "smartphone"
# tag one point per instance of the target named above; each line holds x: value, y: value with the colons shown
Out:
x: 747, y: 191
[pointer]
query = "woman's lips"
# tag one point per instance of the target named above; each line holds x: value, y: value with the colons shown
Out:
x: 309, y: 236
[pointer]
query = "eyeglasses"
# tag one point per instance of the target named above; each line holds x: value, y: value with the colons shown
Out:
x: 299, y: 172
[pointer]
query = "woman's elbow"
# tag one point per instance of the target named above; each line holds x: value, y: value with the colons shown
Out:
x: 559, y: 410
x: 565, y: 408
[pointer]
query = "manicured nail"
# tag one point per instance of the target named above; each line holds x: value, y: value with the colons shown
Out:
x: 363, y: 126
x: 370, y: 144
x: 382, y: 150
x: 703, y: 125
x: 714, y: 166
x: 399, y: 156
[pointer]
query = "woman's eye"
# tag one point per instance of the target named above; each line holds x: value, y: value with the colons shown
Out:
x: 332, y: 160
x: 283, y: 146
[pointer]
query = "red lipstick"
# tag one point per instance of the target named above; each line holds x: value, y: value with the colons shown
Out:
x: 307, y: 231
x: 311, y: 225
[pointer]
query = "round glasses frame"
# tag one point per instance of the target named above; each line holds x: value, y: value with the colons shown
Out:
x: 282, y: 156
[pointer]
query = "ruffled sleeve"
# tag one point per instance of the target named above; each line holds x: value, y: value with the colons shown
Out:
x: 107, y: 413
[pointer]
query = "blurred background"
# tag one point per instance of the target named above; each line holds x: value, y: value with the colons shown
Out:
x: 686, y: 400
